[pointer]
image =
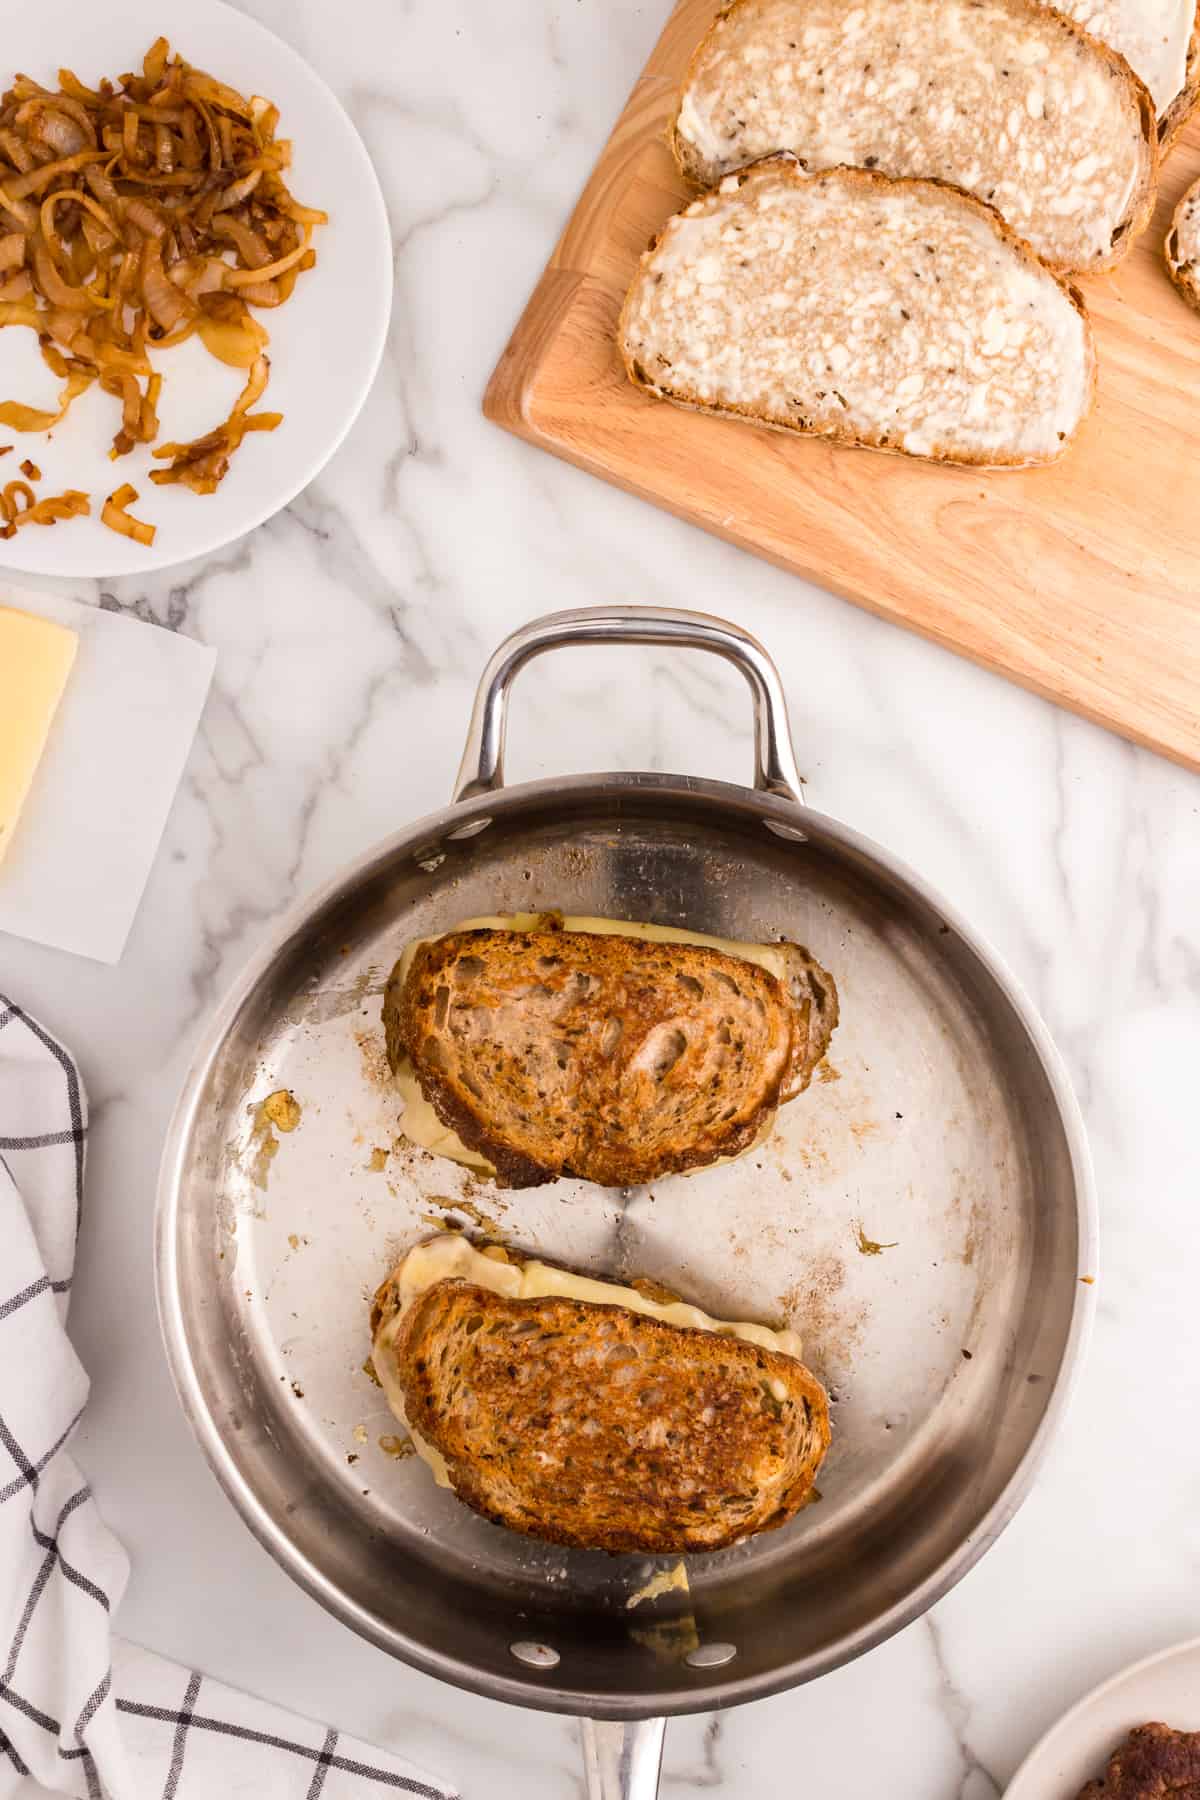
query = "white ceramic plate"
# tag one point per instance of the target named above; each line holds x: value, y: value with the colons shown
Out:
x: 1165, y: 1687
x: 325, y: 342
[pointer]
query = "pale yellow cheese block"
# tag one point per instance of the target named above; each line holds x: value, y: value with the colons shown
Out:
x: 36, y: 657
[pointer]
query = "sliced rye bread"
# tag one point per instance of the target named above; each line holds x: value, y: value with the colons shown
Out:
x: 1187, y: 100
x: 596, y: 1427
x: 815, y: 999
x: 555, y: 1052
x: 1005, y: 98
x: 1182, y: 247
x: 898, y: 315
x: 1160, y: 40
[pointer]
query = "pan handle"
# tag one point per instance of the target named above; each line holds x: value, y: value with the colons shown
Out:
x: 621, y: 1760
x: 775, y: 770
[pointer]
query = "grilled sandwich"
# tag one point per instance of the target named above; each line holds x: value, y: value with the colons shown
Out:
x: 545, y: 1050
x: 593, y: 1415
x: 1154, y: 1762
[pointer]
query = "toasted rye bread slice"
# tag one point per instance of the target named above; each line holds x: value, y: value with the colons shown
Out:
x: 556, y: 1052
x: 1005, y: 98
x: 815, y: 999
x: 596, y: 1427
x: 1182, y: 248
x: 894, y: 314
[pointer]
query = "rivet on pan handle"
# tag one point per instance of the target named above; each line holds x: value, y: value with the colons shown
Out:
x: 775, y: 771
x: 622, y: 1761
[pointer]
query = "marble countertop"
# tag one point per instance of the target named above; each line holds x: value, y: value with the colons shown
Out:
x: 350, y: 631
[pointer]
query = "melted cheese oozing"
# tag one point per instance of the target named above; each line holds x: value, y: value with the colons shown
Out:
x: 420, y: 1122
x: 663, y: 1581
x: 453, y: 1256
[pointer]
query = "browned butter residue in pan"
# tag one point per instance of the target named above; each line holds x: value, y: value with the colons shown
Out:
x: 470, y: 1209
x: 868, y: 1246
x: 280, y: 1111
x: 397, y: 1447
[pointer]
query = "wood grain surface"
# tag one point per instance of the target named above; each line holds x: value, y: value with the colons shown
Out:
x: 1081, y: 581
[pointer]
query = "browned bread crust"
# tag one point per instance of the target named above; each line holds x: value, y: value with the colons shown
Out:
x: 556, y: 1052
x: 600, y: 1428
x: 1182, y: 248
x: 785, y: 166
x: 1188, y: 98
x: 1153, y: 1763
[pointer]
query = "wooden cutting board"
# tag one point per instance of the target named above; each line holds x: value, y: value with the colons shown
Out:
x: 1082, y: 581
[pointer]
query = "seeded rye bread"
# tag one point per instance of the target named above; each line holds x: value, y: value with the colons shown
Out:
x: 1182, y: 248
x: 1187, y: 100
x: 1005, y: 98
x: 1160, y: 40
x: 899, y: 315
x: 593, y: 1426
x: 555, y: 1052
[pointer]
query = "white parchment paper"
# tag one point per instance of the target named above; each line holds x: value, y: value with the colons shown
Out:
x: 85, y: 843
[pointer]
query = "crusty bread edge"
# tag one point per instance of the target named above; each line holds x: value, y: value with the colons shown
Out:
x: 802, y: 1068
x: 799, y: 1377
x: 1141, y: 201
x: 516, y: 1170
x: 1188, y: 97
x: 784, y: 161
x: 1186, y: 276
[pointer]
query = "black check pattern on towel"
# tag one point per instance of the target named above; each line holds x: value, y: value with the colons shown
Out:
x: 82, y: 1712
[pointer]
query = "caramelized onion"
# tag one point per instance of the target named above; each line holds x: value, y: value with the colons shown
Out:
x: 133, y: 215
x: 116, y: 516
x: 203, y: 464
x: 71, y: 84
x: 10, y: 494
x: 51, y: 285
x: 37, y: 179
x: 244, y: 277
x: 163, y: 300
x: 31, y: 418
x: 48, y: 511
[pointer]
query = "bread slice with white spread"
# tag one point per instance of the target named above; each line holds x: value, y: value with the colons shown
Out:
x: 1005, y: 98
x: 1160, y: 40
x: 1182, y: 247
x: 897, y: 315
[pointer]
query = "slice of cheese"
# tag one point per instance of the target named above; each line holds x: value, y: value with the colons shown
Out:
x: 420, y: 1123
x: 36, y: 656
x: 452, y: 1256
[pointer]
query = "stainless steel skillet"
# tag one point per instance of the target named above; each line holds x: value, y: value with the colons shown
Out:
x: 924, y: 1215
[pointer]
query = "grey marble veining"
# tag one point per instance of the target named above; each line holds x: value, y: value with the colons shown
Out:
x: 350, y: 632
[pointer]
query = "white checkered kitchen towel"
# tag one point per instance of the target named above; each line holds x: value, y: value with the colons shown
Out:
x: 82, y: 1712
